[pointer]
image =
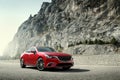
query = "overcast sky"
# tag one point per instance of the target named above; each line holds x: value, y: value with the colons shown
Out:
x: 12, y: 14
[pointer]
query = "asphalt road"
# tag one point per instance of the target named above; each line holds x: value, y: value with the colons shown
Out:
x: 10, y: 70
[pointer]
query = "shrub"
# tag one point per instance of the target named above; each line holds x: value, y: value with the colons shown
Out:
x: 86, y: 42
x: 91, y: 42
x: 96, y: 41
x: 78, y: 43
x: 113, y: 41
x: 70, y: 45
x: 60, y: 48
x: 101, y: 42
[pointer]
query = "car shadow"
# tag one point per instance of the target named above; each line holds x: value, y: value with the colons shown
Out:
x: 33, y: 68
x: 69, y: 70
x: 61, y: 70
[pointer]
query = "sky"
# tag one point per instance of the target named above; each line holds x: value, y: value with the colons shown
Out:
x: 12, y: 14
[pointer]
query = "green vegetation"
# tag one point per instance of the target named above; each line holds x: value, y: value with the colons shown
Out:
x: 78, y: 43
x: 70, y: 45
x: 96, y: 41
x: 59, y: 48
x: 91, y: 42
x: 99, y: 42
x: 114, y: 41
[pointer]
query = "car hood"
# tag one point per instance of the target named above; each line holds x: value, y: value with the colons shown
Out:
x: 56, y: 53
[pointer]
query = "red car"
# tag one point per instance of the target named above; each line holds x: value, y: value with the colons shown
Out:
x: 45, y: 57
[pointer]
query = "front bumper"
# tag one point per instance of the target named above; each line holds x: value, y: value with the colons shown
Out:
x: 56, y: 63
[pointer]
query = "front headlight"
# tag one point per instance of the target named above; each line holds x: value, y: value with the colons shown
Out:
x: 48, y: 56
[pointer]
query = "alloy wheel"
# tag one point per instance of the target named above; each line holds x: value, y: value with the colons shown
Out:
x: 40, y: 64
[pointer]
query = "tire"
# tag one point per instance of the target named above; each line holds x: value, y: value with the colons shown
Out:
x: 22, y: 63
x: 40, y: 64
x: 66, y: 68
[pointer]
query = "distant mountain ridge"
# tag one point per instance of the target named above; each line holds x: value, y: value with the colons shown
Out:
x: 86, y: 27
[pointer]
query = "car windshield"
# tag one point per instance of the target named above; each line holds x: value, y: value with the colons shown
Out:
x: 45, y: 49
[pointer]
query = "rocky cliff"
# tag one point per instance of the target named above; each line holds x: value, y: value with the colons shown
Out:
x: 86, y: 27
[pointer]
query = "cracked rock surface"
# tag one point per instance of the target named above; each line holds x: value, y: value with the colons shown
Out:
x: 85, y: 27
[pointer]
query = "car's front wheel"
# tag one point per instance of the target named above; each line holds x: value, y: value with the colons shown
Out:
x: 40, y: 64
x: 22, y: 63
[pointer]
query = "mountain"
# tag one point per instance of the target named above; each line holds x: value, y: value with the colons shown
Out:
x: 85, y: 27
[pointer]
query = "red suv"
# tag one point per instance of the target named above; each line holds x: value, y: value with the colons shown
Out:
x: 45, y: 57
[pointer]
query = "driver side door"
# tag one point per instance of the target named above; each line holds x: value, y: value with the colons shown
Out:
x: 32, y: 56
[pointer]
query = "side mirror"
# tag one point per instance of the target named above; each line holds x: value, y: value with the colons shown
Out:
x: 33, y: 52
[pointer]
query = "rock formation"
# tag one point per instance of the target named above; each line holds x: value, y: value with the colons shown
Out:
x: 85, y: 27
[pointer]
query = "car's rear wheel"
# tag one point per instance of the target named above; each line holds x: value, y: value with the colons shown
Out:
x: 66, y: 68
x: 22, y: 63
x: 40, y: 64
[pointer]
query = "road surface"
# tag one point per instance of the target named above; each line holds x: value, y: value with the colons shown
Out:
x: 10, y: 70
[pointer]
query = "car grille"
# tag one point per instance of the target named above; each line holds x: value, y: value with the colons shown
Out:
x: 64, y: 64
x: 64, y: 58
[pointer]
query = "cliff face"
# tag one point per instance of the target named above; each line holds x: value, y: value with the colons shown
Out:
x: 75, y: 26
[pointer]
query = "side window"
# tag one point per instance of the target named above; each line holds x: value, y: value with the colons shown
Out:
x: 33, y: 49
x: 30, y: 49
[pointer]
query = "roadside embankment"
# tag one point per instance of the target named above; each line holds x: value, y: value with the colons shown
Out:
x: 107, y: 60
